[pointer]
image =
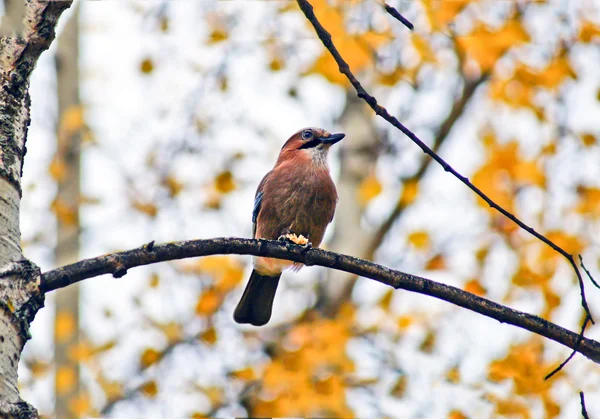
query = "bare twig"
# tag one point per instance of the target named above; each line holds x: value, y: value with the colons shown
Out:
x: 118, y: 264
x: 584, y: 412
x: 588, y: 272
x: 325, y: 38
x: 562, y: 365
x: 396, y: 14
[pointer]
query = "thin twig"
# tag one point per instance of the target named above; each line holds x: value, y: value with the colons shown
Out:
x: 343, y: 67
x: 562, y: 365
x: 119, y: 263
x: 584, y: 412
x: 396, y: 14
x: 588, y: 272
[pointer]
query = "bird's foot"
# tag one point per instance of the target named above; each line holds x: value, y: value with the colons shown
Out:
x: 300, y: 240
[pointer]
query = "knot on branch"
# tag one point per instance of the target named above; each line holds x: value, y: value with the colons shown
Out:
x: 20, y: 293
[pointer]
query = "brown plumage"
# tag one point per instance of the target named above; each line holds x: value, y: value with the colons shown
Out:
x: 296, y: 198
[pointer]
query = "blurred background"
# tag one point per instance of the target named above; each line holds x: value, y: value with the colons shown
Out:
x: 156, y: 121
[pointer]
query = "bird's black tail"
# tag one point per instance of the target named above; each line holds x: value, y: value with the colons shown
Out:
x: 257, y: 301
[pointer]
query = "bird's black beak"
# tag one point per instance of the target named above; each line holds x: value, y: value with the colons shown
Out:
x: 332, y: 139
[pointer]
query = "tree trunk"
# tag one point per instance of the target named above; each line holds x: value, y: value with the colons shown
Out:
x: 20, y: 296
x: 67, y: 218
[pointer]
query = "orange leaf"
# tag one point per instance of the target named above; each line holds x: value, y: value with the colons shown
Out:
x: 436, y: 263
x: 208, y: 303
x: 474, y: 287
x: 150, y: 357
x: 147, y: 66
x: 149, y: 389
x: 209, y: 336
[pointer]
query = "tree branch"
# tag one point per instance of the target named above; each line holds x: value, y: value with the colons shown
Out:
x: 117, y: 264
x: 344, y: 68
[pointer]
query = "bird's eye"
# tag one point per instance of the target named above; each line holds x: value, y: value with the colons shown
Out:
x: 307, y: 135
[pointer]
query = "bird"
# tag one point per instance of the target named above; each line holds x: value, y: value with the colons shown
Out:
x: 295, y: 202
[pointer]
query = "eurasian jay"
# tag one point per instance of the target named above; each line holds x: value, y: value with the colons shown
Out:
x: 295, y: 201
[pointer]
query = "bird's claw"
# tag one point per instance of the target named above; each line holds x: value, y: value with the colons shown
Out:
x: 300, y: 240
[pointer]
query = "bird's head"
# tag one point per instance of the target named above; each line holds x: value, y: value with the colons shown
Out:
x: 311, y: 144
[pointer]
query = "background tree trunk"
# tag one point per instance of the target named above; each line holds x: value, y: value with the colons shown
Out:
x: 67, y: 160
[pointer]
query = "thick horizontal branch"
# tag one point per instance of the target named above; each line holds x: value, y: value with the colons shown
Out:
x: 117, y: 264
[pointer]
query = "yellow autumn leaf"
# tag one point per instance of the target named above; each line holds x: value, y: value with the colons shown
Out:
x: 147, y: 66
x: 404, y: 322
x: 423, y: 48
x: 384, y: 303
x: 569, y: 243
x: 525, y: 366
x: 224, y: 182
x: 245, y: 374
x: 589, y: 201
x: 214, y: 394
x: 217, y: 35
x: 173, y: 185
x: 485, y: 46
x: 148, y: 208
x: 38, y: 368
x: 276, y: 64
x: 420, y: 240
x: 589, y: 31
x: 588, y: 139
x: 410, y: 192
x: 369, y: 188
x: 556, y: 72
x: 442, y: 12
x: 399, y: 388
x: 357, y: 49
x: 154, y: 280
x: 173, y: 331
x: 453, y: 375
x: 112, y: 389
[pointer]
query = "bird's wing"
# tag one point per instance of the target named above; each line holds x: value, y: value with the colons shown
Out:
x: 256, y: 209
x: 257, y: 203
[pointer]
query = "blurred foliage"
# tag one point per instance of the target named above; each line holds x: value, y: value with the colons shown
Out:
x: 383, y: 352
